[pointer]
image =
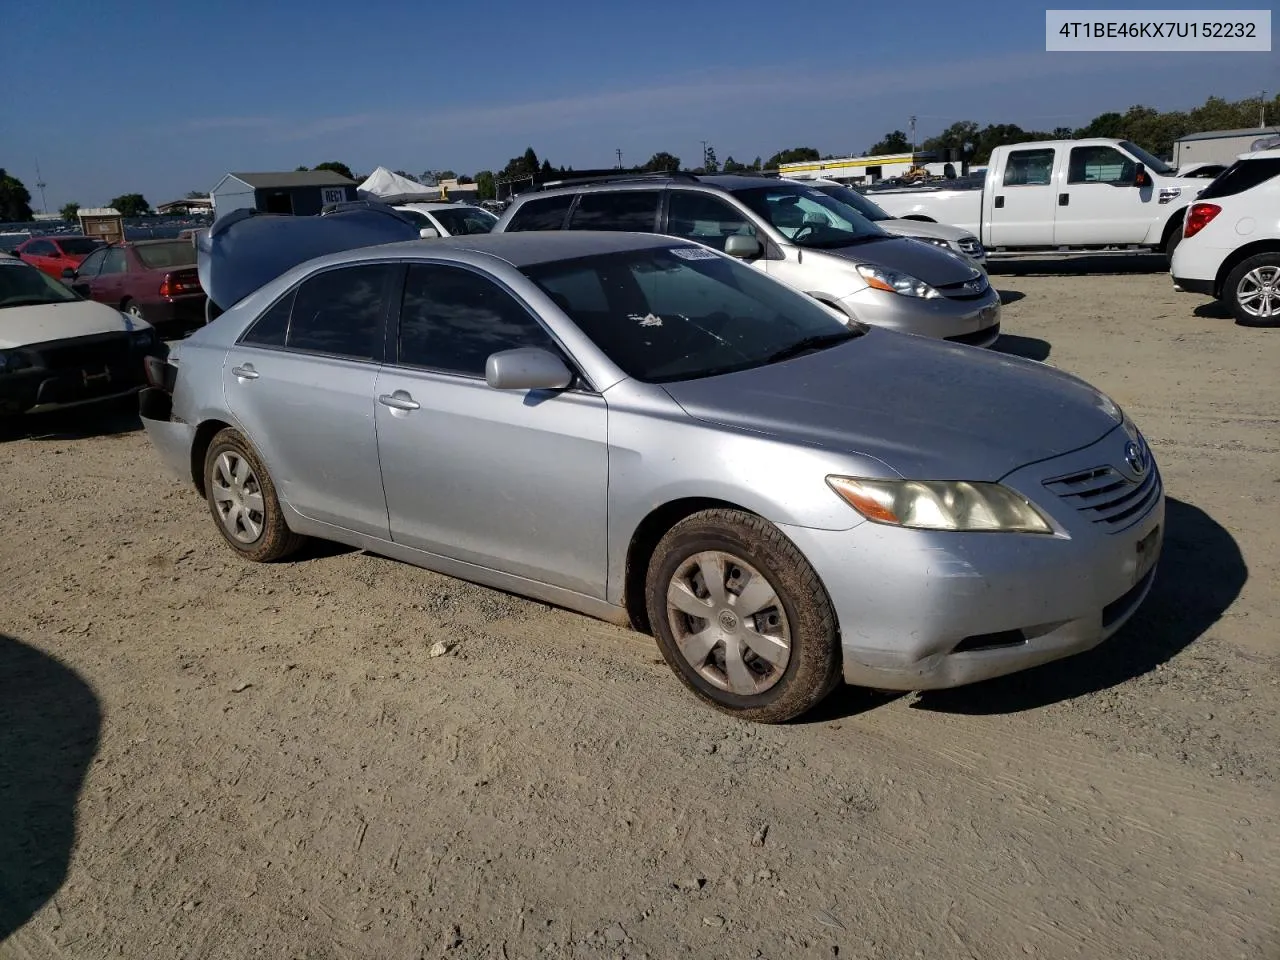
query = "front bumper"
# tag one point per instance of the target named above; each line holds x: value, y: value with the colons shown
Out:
x: 67, y: 373
x: 922, y: 610
x: 975, y: 321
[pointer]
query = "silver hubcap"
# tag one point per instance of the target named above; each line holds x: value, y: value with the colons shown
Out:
x: 135, y: 312
x: 728, y: 622
x: 238, y: 497
x: 1259, y: 292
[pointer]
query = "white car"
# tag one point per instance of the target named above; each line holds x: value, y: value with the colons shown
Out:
x: 448, y: 219
x: 58, y: 349
x: 1230, y: 246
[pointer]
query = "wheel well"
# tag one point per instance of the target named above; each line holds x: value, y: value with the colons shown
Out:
x: 918, y: 216
x: 645, y: 540
x: 1175, y: 223
x: 200, y: 447
x: 1239, y: 256
x: 125, y: 302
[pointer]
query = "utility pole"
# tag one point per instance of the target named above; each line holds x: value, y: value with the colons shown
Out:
x: 619, y: 153
x: 40, y: 185
x: 1262, y: 109
x: 913, y: 134
x: 704, y: 154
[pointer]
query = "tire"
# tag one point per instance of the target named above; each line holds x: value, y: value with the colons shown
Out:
x: 132, y: 309
x: 797, y: 630
x: 1259, y: 275
x: 234, y: 477
x: 1171, y: 242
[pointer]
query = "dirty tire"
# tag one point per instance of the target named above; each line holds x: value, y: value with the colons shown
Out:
x: 276, y: 541
x: 813, y: 668
x: 1266, y: 262
x: 1171, y: 242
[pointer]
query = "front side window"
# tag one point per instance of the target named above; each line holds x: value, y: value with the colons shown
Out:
x: 664, y: 314
x: 705, y: 219
x: 1029, y: 168
x: 625, y: 210
x: 1241, y: 176
x: 1100, y: 164
x: 808, y: 217
x: 22, y: 285
x: 543, y: 213
x: 91, y: 264
x: 452, y: 319
x: 339, y: 312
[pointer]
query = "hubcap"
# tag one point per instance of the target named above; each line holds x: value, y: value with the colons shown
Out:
x: 1258, y: 292
x: 728, y: 623
x: 238, y: 497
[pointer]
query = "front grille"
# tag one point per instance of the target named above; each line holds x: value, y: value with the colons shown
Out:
x: 971, y: 246
x: 978, y: 336
x: 85, y: 353
x: 965, y: 290
x: 1108, y: 497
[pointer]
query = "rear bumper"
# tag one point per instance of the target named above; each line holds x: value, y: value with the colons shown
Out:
x: 175, y: 312
x: 172, y: 439
x: 1188, y: 285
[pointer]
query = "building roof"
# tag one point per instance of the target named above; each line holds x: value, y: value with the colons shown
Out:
x: 98, y: 212
x: 294, y: 178
x: 1227, y: 134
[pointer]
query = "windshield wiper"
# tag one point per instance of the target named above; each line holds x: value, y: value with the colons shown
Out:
x: 809, y: 344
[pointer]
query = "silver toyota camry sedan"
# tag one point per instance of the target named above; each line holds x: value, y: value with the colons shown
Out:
x: 645, y: 430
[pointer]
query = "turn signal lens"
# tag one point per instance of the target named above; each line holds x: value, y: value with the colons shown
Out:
x: 941, y: 505
x: 1199, y: 217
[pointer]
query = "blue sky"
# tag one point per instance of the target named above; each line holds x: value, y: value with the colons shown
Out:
x: 161, y: 97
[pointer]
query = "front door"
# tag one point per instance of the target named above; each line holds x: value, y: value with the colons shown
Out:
x: 108, y: 285
x: 514, y: 481
x: 301, y: 382
x: 1099, y: 202
x: 1022, y: 207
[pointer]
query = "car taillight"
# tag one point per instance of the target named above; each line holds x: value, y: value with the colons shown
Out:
x: 1198, y: 217
x: 172, y: 286
x: 166, y: 287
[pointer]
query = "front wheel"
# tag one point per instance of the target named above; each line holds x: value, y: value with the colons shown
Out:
x: 1252, y: 291
x: 741, y: 617
x: 243, y: 502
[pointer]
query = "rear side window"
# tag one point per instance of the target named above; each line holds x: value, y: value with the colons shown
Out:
x: 339, y: 312
x: 1241, y: 176
x: 1028, y: 168
x: 269, y: 330
x: 627, y: 210
x: 544, y: 213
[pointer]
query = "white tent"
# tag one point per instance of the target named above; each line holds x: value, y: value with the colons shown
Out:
x: 390, y: 187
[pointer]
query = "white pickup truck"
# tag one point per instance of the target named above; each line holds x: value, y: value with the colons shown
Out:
x: 1060, y: 195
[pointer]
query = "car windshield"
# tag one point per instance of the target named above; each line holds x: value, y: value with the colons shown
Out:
x: 808, y: 217
x: 664, y: 314
x: 172, y: 253
x: 1148, y: 160
x: 79, y: 246
x: 856, y: 200
x: 462, y: 221
x: 25, y: 286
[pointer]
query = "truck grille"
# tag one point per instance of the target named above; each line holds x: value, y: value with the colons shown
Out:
x: 91, y: 353
x: 966, y: 289
x: 1108, y: 497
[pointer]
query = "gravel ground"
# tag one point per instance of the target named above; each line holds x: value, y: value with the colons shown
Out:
x: 201, y: 758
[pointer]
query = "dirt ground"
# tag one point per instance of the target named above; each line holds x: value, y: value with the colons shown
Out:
x: 201, y: 758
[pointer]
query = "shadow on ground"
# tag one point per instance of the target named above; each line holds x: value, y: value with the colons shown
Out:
x: 1032, y: 348
x: 75, y: 423
x: 1080, y: 266
x: 1213, y: 310
x: 1011, y: 296
x: 1201, y: 573
x: 49, y: 725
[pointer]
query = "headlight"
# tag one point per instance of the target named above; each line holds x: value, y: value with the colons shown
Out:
x: 941, y: 505
x: 935, y: 241
x: 12, y: 361
x: 890, y: 280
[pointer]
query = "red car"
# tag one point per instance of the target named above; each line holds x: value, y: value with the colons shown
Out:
x: 52, y: 255
x: 152, y: 279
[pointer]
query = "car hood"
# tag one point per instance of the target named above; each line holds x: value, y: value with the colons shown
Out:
x: 928, y: 409
x: 20, y: 326
x: 923, y: 261
x: 920, y: 228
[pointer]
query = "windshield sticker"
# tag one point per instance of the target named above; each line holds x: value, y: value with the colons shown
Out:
x: 648, y: 320
x: 693, y: 253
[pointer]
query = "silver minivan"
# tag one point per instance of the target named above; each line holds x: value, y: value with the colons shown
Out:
x: 792, y: 232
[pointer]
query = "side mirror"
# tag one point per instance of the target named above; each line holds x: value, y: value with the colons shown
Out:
x: 744, y: 248
x: 428, y: 233
x: 68, y: 273
x: 526, y: 368
x: 1140, y: 177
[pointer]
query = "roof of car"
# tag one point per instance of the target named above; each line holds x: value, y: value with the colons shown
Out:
x: 525, y: 248
x: 728, y: 182
x: 433, y: 205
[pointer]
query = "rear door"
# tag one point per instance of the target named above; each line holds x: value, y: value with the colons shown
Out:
x: 1099, y: 202
x: 300, y: 383
x: 1024, y: 201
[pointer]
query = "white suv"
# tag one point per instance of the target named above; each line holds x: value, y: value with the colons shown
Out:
x: 1231, y: 241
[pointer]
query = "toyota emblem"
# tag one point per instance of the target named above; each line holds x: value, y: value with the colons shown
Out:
x: 1136, y: 457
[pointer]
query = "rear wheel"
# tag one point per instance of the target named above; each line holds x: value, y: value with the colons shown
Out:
x: 1171, y: 242
x: 741, y: 617
x: 243, y: 502
x: 1252, y: 291
x: 135, y: 311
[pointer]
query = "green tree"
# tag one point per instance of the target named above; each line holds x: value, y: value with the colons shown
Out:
x: 895, y: 142
x: 407, y: 176
x: 954, y: 137
x: 1062, y: 133
x: 757, y: 164
x: 530, y: 160
x: 792, y: 155
x: 15, y: 201
x: 486, y: 188
x: 463, y: 178
x: 733, y: 166
x: 661, y: 162
x: 339, y: 168
x: 69, y: 211
x: 131, y: 204
x: 301, y: 169
x: 709, y: 162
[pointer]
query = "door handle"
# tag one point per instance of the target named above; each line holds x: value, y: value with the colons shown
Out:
x: 1064, y: 199
x: 999, y: 202
x: 400, y: 400
x: 245, y: 372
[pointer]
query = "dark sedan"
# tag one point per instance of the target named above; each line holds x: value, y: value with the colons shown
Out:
x: 153, y: 280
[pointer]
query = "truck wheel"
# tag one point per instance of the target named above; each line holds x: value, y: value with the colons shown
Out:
x: 1171, y: 242
x: 1252, y: 291
x: 741, y: 617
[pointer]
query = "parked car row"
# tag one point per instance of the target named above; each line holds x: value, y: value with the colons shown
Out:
x: 621, y: 402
